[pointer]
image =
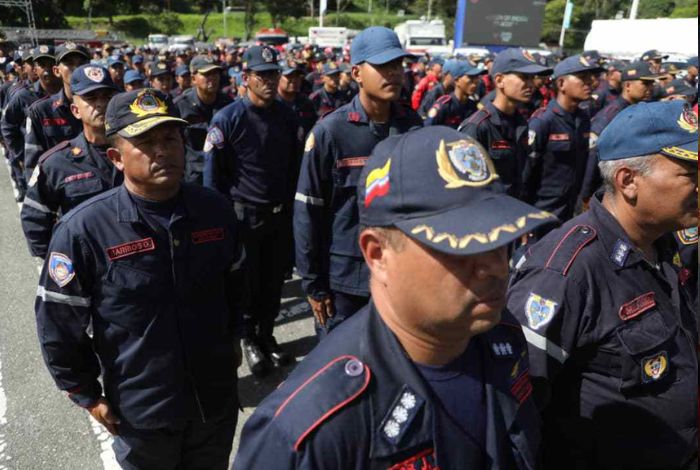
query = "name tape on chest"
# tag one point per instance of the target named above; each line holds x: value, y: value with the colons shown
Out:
x: 206, y: 236
x: 79, y: 176
x: 131, y: 248
x: 637, y: 306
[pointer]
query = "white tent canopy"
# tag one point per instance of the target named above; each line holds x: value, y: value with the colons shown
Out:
x: 628, y: 39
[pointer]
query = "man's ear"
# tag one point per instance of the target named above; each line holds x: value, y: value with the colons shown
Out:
x: 74, y: 110
x: 627, y: 183
x: 116, y: 157
x: 56, y: 72
x: 356, y: 74
x: 374, y: 252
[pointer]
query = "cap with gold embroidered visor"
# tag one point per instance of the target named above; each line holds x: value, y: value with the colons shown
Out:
x: 132, y: 113
x: 440, y: 188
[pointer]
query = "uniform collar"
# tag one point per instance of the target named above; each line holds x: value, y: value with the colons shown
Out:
x: 127, y: 211
x: 356, y: 112
x: 620, y: 251
x: 398, y: 375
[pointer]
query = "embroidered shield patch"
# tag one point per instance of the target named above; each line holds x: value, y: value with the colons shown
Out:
x: 539, y: 311
x: 61, y: 269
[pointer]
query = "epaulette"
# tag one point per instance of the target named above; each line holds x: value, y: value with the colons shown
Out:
x: 53, y: 150
x: 688, y: 236
x: 538, y: 112
x: 478, y: 117
x: 442, y: 100
x: 322, y: 395
x: 569, y: 247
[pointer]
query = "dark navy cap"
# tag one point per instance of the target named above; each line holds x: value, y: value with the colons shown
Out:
x: 68, y: 48
x: 441, y: 188
x: 137, y: 59
x: 132, y: 76
x: 693, y: 61
x: 160, y: 68
x: 260, y: 59
x: 517, y: 60
x: 638, y: 71
x: 436, y: 60
x: 615, y: 65
x: 653, y: 54
x: 330, y: 68
x: 87, y: 78
x: 115, y: 60
x: 203, y: 64
x: 575, y: 64
x: 667, y: 127
x: 132, y: 113
x: 182, y: 70
x: 376, y: 45
x: 345, y: 67
x: 680, y: 87
x: 43, y: 51
x: 18, y: 57
x: 593, y: 57
x: 287, y: 70
x: 462, y: 67
x: 669, y: 68
x: 10, y: 67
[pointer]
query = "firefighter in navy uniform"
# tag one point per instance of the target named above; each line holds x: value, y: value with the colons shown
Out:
x: 610, y: 322
x: 446, y: 86
x: 328, y: 98
x: 74, y: 170
x: 50, y: 121
x: 197, y: 105
x: 429, y: 375
x: 289, y: 92
x: 252, y: 154
x: 450, y: 110
x: 498, y: 126
x: 328, y: 259
x: 558, y: 139
x: 14, y: 117
x: 152, y: 265
x: 637, y: 85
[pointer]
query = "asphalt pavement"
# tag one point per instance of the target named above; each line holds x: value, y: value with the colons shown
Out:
x: 39, y: 427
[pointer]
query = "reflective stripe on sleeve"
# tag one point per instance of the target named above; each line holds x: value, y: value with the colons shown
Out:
x: 35, y: 205
x: 540, y: 342
x: 72, y: 300
x: 33, y: 147
x: 314, y: 201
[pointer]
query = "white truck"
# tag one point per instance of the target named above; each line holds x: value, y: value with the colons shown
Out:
x: 157, y: 41
x: 335, y: 37
x: 677, y: 37
x: 421, y: 36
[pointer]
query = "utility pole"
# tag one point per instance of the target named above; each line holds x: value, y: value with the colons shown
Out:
x: 634, y: 9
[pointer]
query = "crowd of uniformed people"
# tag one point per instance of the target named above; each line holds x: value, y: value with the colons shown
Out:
x: 500, y: 251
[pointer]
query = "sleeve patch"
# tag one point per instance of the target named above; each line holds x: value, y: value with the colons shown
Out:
x: 61, y: 269
x: 215, y: 138
x: 539, y: 310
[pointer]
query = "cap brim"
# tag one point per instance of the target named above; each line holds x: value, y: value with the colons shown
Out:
x: 533, y: 69
x: 97, y: 86
x: 265, y: 67
x: 387, y: 56
x: 140, y: 127
x: 74, y: 51
x: 206, y: 68
x: 688, y: 152
x: 481, y: 226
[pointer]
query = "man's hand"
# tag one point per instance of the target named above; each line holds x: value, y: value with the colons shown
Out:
x: 323, y: 308
x: 102, y: 412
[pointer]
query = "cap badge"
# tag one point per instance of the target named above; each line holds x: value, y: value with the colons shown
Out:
x: 474, y: 166
x: 69, y: 45
x: 584, y: 62
x: 96, y: 74
x: 688, y: 120
x: 160, y: 66
x: 267, y: 55
x: 377, y: 184
x: 44, y: 49
x: 148, y: 103
x: 528, y: 56
x: 654, y: 367
x: 332, y: 66
x: 632, y: 72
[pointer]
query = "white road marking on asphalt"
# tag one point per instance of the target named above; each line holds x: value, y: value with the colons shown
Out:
x: 4, y: 458
x: 109, y: 460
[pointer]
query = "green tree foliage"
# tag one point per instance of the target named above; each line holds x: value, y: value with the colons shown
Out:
x: 279, y: 10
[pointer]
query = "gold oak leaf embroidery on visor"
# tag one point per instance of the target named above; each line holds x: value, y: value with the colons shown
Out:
x: 456, y: 241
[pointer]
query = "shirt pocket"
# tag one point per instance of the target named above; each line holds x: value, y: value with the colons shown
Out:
x: 647, y: 351
x: 130, y: 298
x: 83, y: 188
x: 558, y: 146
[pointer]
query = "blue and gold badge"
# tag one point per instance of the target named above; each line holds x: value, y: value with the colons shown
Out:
x: 654, y: 367
x: 539, y: 310
x: 464, y: 163
x: 61, y: 269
